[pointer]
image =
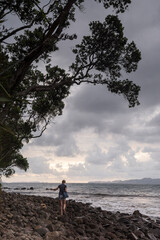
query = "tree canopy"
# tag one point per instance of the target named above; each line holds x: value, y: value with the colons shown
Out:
x: 30, y: 98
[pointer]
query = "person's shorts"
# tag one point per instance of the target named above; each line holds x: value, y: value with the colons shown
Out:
x: 61, y: 197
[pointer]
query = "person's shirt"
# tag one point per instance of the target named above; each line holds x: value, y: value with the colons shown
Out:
x: 62, y: 187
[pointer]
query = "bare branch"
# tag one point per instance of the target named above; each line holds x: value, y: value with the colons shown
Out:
x: 7, y: 43
x: 46, y: 4
x: 2, y: 16
x: 41, y: 10
x: 43, y: 128
x: 15, y: 31
x: 83, y: 81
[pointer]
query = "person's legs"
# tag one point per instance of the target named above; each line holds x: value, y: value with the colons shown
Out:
x: 61, y: 206
x: 64, y: 205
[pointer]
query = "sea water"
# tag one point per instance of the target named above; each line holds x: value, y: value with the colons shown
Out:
x: 113, y: 197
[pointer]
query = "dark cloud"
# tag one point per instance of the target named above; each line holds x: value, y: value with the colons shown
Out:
x: 68, y: 148
x: 155, y: 121
x: 97, y: 157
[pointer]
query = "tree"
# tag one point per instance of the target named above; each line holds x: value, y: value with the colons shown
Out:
x: 29, y: 99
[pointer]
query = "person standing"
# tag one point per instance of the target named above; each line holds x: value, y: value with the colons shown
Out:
x: 62, y: 196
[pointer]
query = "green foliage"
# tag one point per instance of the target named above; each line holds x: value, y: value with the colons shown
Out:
x: 9, y: 154
x: 118, y: 5
x: 30, y: 98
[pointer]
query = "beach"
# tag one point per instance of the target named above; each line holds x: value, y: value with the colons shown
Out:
x: 28, y: 217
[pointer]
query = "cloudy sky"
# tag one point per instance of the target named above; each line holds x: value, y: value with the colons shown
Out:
x: 98, y: 137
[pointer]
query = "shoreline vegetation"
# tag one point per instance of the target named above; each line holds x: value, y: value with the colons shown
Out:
x: 29, y: 217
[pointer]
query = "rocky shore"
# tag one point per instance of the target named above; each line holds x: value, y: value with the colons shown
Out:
x: 25, y: 217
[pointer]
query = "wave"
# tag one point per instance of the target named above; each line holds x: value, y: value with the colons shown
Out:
x: 48, y: 191
x: 114, y: 195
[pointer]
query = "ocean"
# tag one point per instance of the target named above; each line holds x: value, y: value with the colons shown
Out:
x: 113, y: 197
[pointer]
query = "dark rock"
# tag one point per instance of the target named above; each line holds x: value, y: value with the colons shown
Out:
x: 139, y: 234
x: 41, y: 231
x: 50, y: 227
x: 158, y: 220
x: 92, y: 226
x: 80, y: 231
x: 111, y: 235
x: 124, y: 219
x: 137, y: 213
x: 53, y: 235
x: 151, y: 236
x: 37, y: 218
x: 156, y: 232
x: 132, y: 236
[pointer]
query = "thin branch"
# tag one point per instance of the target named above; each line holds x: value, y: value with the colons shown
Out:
x: 84, y: 81
x: 7, y: 43
x: 16, y: 30
x: 41, y: 10
x: 46, y: 4
x: 51, y: 6
x: 43, y: 129
x: 5, y: 13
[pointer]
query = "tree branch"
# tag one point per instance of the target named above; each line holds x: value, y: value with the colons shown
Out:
x: 43, y: 129
x: 43, y: 88
x: 4, y: 13
x: 15, y: 31
x: 36, y: 52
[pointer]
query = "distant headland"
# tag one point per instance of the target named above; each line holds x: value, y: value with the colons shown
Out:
x: 132, y: 181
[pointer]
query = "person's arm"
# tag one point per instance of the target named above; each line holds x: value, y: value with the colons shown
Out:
x: 54, y: 189
x: 65, y: 189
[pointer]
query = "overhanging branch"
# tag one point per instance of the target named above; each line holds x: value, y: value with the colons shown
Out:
x: 15, y: 31
x: 44, y: 88
x: 43, y: 128
x: 58, y: 25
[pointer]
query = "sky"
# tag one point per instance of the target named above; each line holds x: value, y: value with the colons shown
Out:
x: 98, y: 137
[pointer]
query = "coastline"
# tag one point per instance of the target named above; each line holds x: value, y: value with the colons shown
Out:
x: 29, y: 217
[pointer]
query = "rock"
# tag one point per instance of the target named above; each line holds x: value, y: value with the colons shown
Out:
x: 151, y: 236
x: 56, y: 235
x: 50, y: 227
x: 158, y: 220
x: 41, y: 231
x: 139, y: 234
x: 79, y: 220
x: 80, y: 231
x: 156, y: 232
x: 92, y: 226
x: 111, y: 235
x: 37, y: 218
x: 137, y: 213
x: 124, y: 219
x: 132, y: 236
